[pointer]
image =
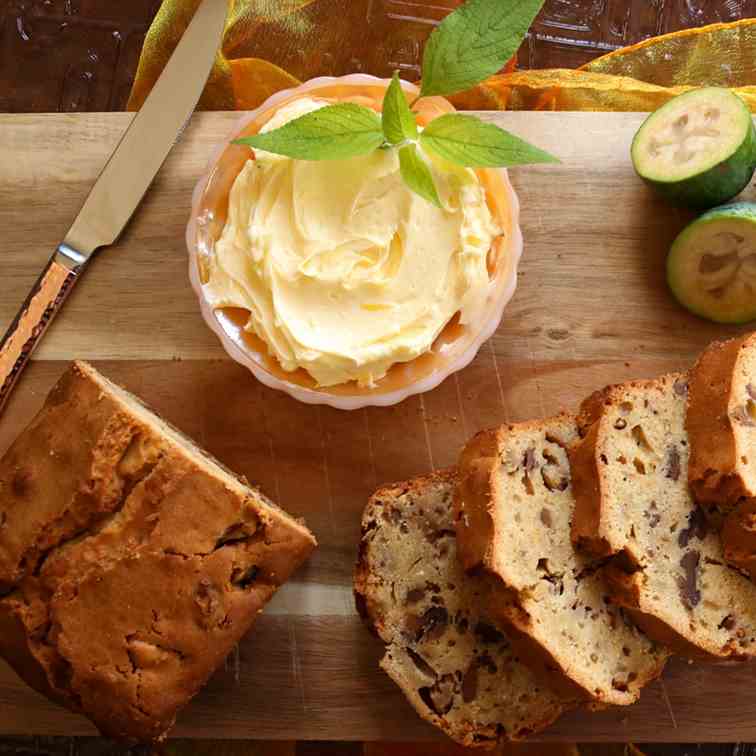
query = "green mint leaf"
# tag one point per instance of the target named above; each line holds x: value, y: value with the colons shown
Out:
x: 334, y: 132
x: 467, y: 141
x: 417, y: 175
x: 474, y: 42
x: 399, y: 121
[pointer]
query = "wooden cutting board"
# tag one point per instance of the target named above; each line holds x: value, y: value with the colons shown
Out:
x: 591, y: 308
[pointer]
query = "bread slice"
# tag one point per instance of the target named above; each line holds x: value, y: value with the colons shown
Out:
x: 739, y: 537
x: 457, y: 669
x: 630, y: 481
x: 721, y: 424
x: 131, y: 562
x: 514, y: 506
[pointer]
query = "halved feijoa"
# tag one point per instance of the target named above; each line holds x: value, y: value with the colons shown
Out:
x: 711, y: 267
x: 699, y: 149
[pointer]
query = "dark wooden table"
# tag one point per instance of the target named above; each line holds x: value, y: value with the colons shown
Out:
x: 81, y: 55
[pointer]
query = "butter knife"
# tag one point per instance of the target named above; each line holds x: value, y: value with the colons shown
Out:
x: 120, y: 187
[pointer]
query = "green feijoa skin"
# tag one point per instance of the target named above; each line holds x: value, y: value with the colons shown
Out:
x: 711, y: 267
x: 699, y: 149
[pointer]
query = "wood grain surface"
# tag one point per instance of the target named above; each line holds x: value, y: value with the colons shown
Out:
x: 591, y: 308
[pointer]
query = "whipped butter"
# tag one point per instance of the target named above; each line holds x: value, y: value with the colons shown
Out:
x: 344, y: 271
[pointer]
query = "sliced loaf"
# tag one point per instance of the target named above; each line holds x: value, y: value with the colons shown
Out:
x: 131, y: 562
x: 630, y: 481
x: 514, y: 506
x: 456, y: 667
x: 721, y: 424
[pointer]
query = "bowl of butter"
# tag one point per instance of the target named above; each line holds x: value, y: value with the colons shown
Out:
x: 334, y: 282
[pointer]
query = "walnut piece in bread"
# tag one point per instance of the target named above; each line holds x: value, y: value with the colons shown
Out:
x: 630, y: 481
x: 130, y: 561
x: 456, y: 667
x: 513, y: 510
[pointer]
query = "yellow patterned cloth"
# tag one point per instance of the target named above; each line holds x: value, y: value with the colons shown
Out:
x: 270, y: 45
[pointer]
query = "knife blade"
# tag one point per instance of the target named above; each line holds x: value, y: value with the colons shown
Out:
x: 120, y: 187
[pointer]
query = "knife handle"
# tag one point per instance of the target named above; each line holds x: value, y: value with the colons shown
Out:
x: 35, y: 315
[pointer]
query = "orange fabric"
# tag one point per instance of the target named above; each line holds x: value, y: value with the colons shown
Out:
x: 269, y: 45
x: 646, y: 75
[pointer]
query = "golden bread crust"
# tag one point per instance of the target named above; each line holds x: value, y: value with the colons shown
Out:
x: 121, y: 524
x: 587, y: 532
x: 739, y: 536
x: 715, y: 468
x: 474, y: 500
x: 721, y: 423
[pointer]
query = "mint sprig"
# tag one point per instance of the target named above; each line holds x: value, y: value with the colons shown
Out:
x: 335, y: 132
x: 472, y: 43
x: 470, y: 142
x: 417, y: 175
x: 399, y: 122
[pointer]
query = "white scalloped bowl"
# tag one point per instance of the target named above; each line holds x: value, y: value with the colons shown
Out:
x: 454, y: 349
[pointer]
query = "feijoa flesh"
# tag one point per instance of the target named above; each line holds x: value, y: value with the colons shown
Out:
x: 699, y: 149
x: 711, y: 267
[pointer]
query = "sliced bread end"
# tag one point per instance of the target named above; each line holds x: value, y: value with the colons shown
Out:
x: 455, y: 666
